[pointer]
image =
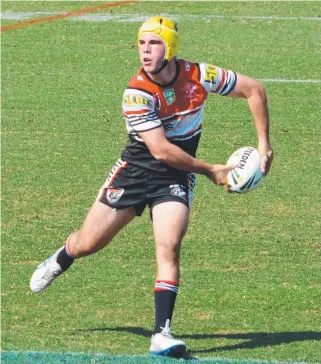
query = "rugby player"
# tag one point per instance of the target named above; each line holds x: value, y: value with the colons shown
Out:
x: 163, y: 107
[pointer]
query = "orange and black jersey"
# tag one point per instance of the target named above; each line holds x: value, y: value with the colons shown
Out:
x: 178, y: 107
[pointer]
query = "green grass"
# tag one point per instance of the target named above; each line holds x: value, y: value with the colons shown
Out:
x: 250, y: 284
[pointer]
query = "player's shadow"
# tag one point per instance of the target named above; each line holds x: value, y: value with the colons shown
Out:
x: 250, y: 340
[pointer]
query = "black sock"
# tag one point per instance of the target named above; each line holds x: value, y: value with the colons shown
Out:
x: 165, y: 295
x: 64, y: 260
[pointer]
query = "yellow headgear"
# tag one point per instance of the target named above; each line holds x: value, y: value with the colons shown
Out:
x: 164, y: 28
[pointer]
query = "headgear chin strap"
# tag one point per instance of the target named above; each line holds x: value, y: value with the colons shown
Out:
x: 164, y: 64
x: 167, y: 31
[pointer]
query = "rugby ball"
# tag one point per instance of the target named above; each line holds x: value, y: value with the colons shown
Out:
x: 247, y: 175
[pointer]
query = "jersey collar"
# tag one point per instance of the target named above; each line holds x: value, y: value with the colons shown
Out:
x: 167, y: 84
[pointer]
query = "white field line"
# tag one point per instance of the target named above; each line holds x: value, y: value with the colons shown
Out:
x: 280, y: 80
x: 10, y: 15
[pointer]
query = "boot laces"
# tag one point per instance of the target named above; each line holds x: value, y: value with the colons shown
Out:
x: 166, y: 329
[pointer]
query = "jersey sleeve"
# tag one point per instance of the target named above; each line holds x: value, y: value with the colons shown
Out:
x: 139, y: 111
x: 216, y: 79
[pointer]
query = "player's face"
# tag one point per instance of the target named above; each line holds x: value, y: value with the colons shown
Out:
x: 151, y: 52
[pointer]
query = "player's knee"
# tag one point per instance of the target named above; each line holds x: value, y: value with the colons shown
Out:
x: 87, y: 245
x: 168, y: 250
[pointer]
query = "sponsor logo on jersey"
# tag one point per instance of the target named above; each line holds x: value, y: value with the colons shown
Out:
x: 136, y: 100
x: 169, y: 96
x: 114, y: 194
x: 187, y: 66
x: 178, y: 190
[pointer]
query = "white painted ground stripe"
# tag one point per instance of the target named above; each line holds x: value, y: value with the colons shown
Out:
x: 10, y: 15
x: 280, y: 80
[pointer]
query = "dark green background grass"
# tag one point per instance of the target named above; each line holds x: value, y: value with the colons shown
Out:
x: 250, y: 283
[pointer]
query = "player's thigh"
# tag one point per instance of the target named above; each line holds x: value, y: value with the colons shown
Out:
x: 170, y: 223
x: 101, y: 225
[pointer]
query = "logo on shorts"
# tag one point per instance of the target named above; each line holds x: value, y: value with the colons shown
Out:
x: 114, y: 194
x: 169, y: 96
x: 178, y: 190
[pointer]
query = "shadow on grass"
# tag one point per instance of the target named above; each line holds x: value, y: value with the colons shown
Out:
x: 251, y: 339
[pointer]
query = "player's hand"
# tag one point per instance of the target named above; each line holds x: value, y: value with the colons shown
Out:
x: 267, y: 156
x: 218, y: 174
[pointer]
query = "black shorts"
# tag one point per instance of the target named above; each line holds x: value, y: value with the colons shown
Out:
x: 131, y: 186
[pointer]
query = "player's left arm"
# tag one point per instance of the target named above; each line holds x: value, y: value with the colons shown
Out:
x: 254, y: 92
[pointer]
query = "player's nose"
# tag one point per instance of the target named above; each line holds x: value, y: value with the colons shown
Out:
x: 146, y: 48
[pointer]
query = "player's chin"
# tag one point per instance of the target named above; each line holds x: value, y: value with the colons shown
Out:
x: 149, y: 68
x: 152, y: 67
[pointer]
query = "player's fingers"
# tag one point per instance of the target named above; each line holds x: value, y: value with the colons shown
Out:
x: 266, y: 162
x: 263, y: 165
x: 231, y: 166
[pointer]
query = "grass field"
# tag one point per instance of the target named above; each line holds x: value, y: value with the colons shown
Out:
x: 250, y: 286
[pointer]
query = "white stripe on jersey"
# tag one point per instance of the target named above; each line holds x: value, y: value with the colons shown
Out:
x: 182, y: 113
x: 185, y: 127
x: 139, y: 120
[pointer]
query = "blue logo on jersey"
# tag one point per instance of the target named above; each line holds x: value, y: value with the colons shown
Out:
x: 169, y: 96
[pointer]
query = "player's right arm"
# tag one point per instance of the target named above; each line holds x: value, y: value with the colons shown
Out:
x: 172, y: 155
x: 228, y: 83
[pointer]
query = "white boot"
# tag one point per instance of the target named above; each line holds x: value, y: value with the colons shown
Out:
x: 45, y: 273
x: 164, y: 344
